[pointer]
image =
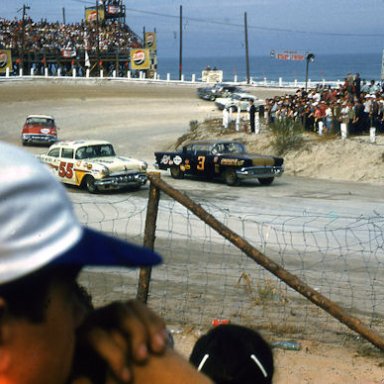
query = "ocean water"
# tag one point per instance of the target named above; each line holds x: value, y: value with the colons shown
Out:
x: 325, y: 67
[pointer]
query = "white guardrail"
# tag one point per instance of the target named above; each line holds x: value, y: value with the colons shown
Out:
x: 280, y: 83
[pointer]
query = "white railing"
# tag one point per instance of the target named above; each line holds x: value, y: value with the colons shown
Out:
x: 279, y: 83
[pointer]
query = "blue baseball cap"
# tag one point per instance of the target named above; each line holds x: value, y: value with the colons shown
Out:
x: 39, y: 226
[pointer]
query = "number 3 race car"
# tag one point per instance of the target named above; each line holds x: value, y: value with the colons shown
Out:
x: 94, y: 165
x: 225, y: 159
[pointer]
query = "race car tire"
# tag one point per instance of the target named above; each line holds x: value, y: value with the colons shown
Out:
x: 266, y: 180
x: 90, y: 184
x: 230, y: 177
x: 177, y: 173
x: 212, y: 98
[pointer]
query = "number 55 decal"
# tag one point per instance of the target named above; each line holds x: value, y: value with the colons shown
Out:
x: 200, y: 163
x: 65, y: 170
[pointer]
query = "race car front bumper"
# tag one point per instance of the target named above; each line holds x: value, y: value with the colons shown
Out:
x: 122, y: 181
x: 259, y: 172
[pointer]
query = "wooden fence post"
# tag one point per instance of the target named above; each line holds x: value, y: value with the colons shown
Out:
x: 149, y: 237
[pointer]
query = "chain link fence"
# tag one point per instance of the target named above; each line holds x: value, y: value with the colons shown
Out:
x: 205, y: 276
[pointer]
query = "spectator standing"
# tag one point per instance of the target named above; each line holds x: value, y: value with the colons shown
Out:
x: 328, y: 118
x: 345, y: 119
x: 252, y: 113
x: 357, y: 85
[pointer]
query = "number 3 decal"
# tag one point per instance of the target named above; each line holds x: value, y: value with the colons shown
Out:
x: 200, y: 163
x: 65, y: 170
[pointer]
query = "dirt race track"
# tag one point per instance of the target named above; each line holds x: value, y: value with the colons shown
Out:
x: 137, y: 118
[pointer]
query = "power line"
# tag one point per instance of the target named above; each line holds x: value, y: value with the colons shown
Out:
x: 268, y: 29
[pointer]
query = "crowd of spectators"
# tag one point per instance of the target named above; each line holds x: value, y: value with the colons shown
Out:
x: 55, y: 38
x: 357, y: 103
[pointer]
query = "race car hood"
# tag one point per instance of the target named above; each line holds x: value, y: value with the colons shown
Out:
x: 116, y: 164
x: 256, y: 159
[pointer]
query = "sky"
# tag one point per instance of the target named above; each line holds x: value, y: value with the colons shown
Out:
x: 216, y: 27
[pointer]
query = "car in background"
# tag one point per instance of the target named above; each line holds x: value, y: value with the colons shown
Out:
x: 94, y: 165
x: 238, y: 100
x: 223, y: 159
x: 39, y: 129
x: 216, y: 91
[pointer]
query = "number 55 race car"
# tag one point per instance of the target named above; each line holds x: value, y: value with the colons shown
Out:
x: 224, y: 159
x: 94, y: 165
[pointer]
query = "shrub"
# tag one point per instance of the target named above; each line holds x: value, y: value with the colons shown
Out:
x: 287, y: 135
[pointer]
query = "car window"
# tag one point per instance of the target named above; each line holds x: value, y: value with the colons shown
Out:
x: 106, y: 150
x: 200, y: 148
x: 236, y: 147
x: 231, y: 147
x: 217, y: 148
x: 41, y: 120
x: 55, y: 152
x: 67, y: 153
x: 80, y: 153
x: 92, y: 151
x: 89, y: 152
x: 188, y: 148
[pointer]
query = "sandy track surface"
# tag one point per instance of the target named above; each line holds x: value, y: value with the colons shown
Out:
x: 158, y: 115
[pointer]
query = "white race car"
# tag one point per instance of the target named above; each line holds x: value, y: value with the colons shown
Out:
x: 238, y: 100
x: 93, y: 164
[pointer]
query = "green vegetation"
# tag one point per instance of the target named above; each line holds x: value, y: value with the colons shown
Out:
x: 287, y: 135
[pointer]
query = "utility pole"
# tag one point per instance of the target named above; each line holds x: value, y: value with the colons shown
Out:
x: 25, y: 7
x: 246, y: 47
x: 97, y: 37
x: 181, y: 43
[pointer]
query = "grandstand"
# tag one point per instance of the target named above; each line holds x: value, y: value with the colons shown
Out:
x: 101, y: 41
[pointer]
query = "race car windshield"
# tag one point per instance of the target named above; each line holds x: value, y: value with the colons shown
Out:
x: 41, y: 121
x: 93, y: 151
x: 228, y: 148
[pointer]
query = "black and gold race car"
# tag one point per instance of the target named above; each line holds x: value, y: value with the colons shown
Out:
x: 228, y: 160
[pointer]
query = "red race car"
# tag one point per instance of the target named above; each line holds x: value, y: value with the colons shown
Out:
x: 39, y: 129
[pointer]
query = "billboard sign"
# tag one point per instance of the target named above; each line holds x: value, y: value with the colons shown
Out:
x: 140, y: 58
x: 150, y: 40
x: 113, y: 11
x: 5, y: 60
x: 91, y: 14
x: 288, y: 55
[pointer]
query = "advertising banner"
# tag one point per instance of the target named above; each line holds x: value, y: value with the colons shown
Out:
x: 5, y: 60
x: 288, y: 55
x: 150, y: 40
x: 113, y: 11
x: 91, y: 14
x: 212, y: 75
x: 140, y: 58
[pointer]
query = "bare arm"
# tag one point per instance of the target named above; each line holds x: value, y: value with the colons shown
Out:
x: 169, y: 368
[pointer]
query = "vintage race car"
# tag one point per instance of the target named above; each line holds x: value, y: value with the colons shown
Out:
x: 216, y: 91
x: 39, y: 129
x: 238, y: 100
x: 225, y: 159
x: 93, y: 164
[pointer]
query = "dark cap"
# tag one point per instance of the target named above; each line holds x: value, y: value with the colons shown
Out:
x: 233, y: 354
